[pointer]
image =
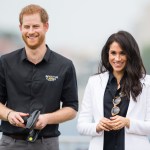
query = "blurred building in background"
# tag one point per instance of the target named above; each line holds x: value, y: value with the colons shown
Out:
x: 78, y: 30
x: 142, y: 30
x: 9, y: 41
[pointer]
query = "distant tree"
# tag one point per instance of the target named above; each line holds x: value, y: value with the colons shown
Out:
x: 146, y: 58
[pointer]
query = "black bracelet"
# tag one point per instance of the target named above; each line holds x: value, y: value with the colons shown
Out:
x: 9, y: 114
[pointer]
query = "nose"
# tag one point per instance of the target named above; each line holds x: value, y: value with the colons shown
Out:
x: 118, y: 57
x: 31, y: 30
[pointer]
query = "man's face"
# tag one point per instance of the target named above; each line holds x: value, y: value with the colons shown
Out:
x: 33, y: 30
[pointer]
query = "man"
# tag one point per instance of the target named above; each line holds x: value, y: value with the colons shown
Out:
x: 35, y: 78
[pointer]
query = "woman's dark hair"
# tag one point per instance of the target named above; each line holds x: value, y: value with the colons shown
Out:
x: 134, y: 70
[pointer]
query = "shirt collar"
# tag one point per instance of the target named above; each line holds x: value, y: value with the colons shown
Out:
x: 46, y: 56
x: 112, y: 78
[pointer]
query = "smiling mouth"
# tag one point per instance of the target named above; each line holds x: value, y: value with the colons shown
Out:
x: 31, y: 37
x: 118, y: 64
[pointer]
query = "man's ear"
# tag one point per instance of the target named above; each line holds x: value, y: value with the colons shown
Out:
x: 46, y: 25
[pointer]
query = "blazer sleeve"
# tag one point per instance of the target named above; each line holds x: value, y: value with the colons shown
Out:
x: 142, y: 126
x: 85, y: 126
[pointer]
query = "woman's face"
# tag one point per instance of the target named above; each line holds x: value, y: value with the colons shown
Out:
x: 117, y: 58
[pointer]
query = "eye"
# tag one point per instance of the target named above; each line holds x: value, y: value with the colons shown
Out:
x: 26, y: 27
x: 123, y: 53
x: 112, y: 52
x: 36, y: 26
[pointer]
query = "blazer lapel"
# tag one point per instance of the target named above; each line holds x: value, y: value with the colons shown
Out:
x: 103, y: 79
x: 131, y: 105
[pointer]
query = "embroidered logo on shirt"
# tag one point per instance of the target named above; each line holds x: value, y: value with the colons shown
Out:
x: 51, y: 78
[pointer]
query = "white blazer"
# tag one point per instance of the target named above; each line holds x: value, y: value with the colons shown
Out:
x: 92, y: 111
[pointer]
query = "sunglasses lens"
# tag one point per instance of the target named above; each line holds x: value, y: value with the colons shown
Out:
x: 115, y: 110
x: 116, y: 100
x: 121, y: 94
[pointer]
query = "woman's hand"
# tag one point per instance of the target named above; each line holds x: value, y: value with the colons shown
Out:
x: 104, y: 124
x: 118, y: 122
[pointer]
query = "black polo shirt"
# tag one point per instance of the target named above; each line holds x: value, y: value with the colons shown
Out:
x: 25, y: 87
x: 114, y: 140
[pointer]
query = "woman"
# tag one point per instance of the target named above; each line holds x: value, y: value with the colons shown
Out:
x: 115, y: 109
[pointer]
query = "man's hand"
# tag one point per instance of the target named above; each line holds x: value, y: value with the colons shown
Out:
x: 15, y: 118
x: 42, y: 122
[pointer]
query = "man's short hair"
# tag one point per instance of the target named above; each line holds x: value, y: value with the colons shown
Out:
x: 33, y: 9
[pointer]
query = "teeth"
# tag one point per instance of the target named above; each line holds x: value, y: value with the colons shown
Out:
x: 31, y: 37
x: 118, y: 64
